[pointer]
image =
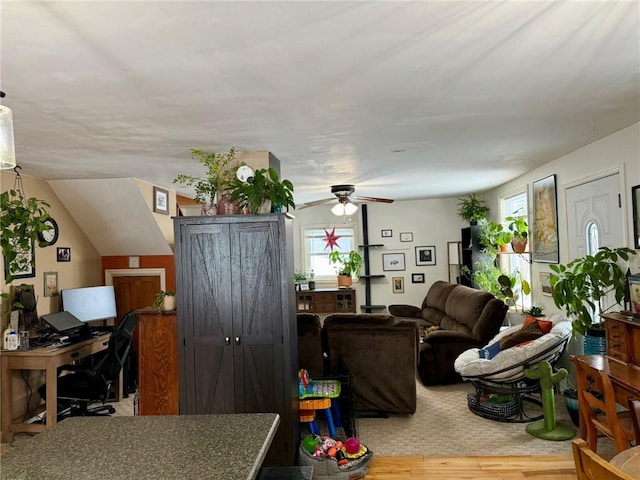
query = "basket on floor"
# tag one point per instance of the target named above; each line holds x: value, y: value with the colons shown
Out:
x: 503, y: 409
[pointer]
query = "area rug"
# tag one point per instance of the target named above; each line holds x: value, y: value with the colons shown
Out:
x: 444, y: 425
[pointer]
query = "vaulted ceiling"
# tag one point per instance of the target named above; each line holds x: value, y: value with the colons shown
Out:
x: 405, y: 100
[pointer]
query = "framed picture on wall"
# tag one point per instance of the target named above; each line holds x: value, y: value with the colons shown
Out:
x: 545, y: 284
x: 635, y: 198
x: 545, y: 221
x: 426, y: 255
x: 398, y: 284
x: 24, y: 262
x: 50, y: 284
x: 161, y: 200
x: 417, y: 278
x: 63, y: 254
x: 393, y: 261
x: 406, y: 236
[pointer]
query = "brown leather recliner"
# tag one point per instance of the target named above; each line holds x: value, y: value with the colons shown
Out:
x: 464, y: 317
x: 310, y: 349
x: 380, y: 352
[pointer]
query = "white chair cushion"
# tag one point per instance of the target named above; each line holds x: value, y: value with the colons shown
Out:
x: 468, y: 363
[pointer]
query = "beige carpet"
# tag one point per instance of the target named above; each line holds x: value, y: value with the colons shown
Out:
x: 444, y: 425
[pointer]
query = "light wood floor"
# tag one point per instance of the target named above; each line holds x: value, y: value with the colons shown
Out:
x: 538, y: 467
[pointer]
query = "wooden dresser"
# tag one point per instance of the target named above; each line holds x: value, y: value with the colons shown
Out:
x: 623, y: 338
x: 326, y: 300
x: 158, y: 386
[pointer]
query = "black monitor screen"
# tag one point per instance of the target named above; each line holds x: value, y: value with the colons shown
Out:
x: 90, y: 303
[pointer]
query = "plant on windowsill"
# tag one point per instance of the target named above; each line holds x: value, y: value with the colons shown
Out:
x: 472, y: 209
x: 264, y: 185
x: 510, y: 288
x: 582, y: 286
x: 165, y: 301
x: 519, y: 233
x: 220, y: 172
x: 347, y: 266
x: 493, y: 237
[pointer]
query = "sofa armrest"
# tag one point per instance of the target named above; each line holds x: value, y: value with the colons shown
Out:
x: 405, y: 311
x: 441, y: 337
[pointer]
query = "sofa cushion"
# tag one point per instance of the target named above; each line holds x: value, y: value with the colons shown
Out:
x: 437, y: 295
x: 465, y: 305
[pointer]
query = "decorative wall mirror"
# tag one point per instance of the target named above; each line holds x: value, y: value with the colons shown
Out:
x: 635, y: 195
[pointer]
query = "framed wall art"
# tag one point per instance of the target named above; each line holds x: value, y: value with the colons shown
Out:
x: 406, y: 236
x: 24, y: 263
x: 63, y: 254
x: 635, y: 198
x: 398, y: 284
x: 386, y: 233
x: 426, y: 255
x: 545, y: 221
x: 417, y: 278
x: 161, y: 200
x: 545, y: 284
x: 393, y: 262
x: 50, y: 284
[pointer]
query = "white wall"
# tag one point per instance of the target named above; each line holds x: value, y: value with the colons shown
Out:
x: 432, y: 222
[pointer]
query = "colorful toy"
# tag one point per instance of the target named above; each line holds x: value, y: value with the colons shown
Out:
x: 352, y: 445
x: 333, y: 459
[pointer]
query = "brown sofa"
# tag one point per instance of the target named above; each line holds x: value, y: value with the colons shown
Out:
x: 460, y: 317
x: 310, y: 349
x: 380, y: 352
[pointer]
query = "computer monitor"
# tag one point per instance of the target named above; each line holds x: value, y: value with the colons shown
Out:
x: 90, y: 303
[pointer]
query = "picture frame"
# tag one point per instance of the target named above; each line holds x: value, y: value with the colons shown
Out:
x: 398, y: 284
x: 635, y: 200
x: 386, y: 233
x: 393, y: 262
x: 406, y: 236
x: 545, y: 284
x: 26, y: 258
x: 546, y: 247
x: 426, y: 255
x: 417, y: 278
x: 63, y: 254
x: 160, y: 200
x: 633, y: 284
x: 50, y: 284
x: 304, y: 286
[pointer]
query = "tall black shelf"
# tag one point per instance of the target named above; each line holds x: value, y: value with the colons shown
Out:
x: 368, y: 307
x: 471, y: 252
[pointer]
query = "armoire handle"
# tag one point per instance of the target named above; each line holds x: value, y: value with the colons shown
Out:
x: 227, y: 340
x: 237, y: 340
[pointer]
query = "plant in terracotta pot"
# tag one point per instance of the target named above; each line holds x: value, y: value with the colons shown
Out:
x: 264, y: 185
x: 21, y: 221
x: 519, y: 233
x: 347, y: 266
x: 220, y: 173
x: 493, y: 237
x: 472, y: 209
x: 589, y: 286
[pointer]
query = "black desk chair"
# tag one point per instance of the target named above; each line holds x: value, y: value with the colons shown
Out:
x: 85, y: 385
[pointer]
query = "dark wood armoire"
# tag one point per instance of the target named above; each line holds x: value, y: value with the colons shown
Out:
x: 236, y: 320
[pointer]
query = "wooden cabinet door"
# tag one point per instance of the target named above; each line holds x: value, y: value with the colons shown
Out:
x: 205, y: 313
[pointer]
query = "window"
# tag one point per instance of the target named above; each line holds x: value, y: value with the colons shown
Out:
x: 517, y: 206
x: 316, y: 252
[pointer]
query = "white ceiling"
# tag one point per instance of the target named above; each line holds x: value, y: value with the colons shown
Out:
x: 404, y: 99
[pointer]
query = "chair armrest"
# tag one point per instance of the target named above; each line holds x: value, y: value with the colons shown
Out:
x: 76, y: 368
x: 464, y: 340
x: 405, y: 311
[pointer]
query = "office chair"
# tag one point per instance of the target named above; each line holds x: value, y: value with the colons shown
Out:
x: 597, y: 405
x: 84, y: 385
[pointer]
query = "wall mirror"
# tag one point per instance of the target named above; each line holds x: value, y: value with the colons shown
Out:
x: 635, y: 195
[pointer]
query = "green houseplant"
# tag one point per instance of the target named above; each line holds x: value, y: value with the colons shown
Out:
x: 220, y: 173
x: 21, y: 221
x: 472, y: 208
x: 511, y: 286
x: 264, y: 185
x: 519, y: 230
x: 165, y: 300
x: 582, y: 286
x: 493, y: 236
x: 347, y: 265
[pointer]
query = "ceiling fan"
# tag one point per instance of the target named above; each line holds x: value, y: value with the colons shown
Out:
x: 344, y: 206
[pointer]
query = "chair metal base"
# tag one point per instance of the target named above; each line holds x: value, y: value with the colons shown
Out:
x: 520, y: 391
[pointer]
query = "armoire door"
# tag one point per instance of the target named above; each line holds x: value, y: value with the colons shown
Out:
x: 206, y: 299
x: 256, y: 264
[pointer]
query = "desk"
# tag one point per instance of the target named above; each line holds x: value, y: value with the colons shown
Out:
x: 229, y: 447
x: 47, y: 359
x: 625, y: 378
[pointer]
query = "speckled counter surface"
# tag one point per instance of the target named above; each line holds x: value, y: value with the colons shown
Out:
x: 226, y: 447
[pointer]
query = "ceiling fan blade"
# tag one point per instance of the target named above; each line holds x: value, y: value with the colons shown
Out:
x: 314, y: 203
x: 374, y: 199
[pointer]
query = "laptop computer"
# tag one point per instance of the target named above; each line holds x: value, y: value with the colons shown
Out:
x: 63, y: 322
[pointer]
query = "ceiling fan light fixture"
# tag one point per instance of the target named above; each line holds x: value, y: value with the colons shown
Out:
x: 338, y: 209
x: 350, y: 208
x: 7, y: 146
x: 344, y: 208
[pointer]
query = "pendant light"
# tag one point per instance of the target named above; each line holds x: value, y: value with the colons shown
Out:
x: 7, y: 146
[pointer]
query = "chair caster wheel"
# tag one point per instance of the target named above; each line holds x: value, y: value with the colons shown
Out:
x: 111, y: 410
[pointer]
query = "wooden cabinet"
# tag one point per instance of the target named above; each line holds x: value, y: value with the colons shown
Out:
x: 157, y: 363
x: 236, y: 320
x: 623, y: 338
x: 342, y: 300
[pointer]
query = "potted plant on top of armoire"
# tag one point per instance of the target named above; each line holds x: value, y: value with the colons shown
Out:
x: 264, y: 185
x: 582, y: 287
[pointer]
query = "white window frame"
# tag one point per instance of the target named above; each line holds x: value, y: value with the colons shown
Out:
x: 306, y: 255
x: 512, y: 261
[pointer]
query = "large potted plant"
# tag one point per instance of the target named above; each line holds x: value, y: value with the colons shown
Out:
x: 347, y: 265
x: 21, y: 221
x: 518, y: 228
x: 220, y: 173
x: 493, y: 237
x: 265, y: 185
x: 585, y: 285
x: 472, y: 209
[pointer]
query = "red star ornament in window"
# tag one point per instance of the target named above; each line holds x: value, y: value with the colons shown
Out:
x: 331, y: 239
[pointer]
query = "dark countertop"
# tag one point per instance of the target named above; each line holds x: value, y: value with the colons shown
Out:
x: 190, y: 447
